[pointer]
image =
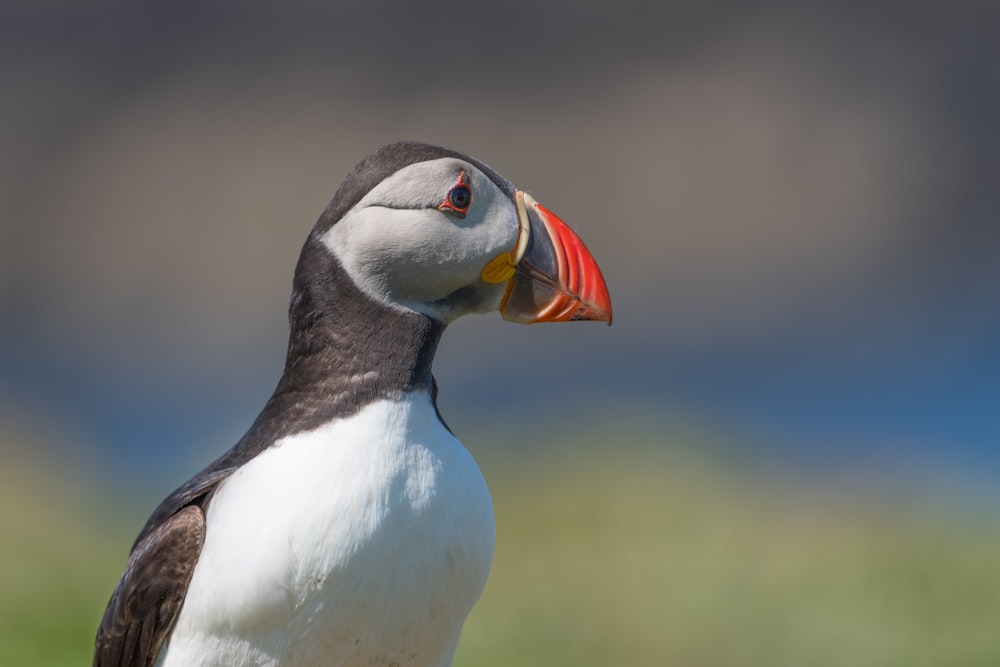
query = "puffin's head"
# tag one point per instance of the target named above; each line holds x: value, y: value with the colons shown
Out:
x: 431, y: 230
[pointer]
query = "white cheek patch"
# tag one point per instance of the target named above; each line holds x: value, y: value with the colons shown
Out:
x: 412, y: 255
x: 360, y: 245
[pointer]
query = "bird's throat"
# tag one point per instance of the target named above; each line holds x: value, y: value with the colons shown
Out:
x: 346, y: 350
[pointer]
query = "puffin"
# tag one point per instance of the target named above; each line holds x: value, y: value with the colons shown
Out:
x: 349, y: 526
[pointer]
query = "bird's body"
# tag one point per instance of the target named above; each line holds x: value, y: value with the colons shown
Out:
x: 367, y: 539
x: 349, y: 527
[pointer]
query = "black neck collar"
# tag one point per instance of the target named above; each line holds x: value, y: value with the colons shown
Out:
x: 345, y: 351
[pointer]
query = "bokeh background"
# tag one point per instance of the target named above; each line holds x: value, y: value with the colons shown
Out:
x: 785, y: 450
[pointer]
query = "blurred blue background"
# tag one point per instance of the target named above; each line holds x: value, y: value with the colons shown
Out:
x: 795, y: 208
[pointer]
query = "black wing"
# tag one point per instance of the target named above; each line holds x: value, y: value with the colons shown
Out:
x: 146, y: 602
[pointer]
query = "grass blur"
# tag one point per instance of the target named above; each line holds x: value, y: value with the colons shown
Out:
x: 58, y: 558
x: 626, y: 557
x: 630, y: 558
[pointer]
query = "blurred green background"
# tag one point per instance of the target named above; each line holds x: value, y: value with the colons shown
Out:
x: 784, y: 452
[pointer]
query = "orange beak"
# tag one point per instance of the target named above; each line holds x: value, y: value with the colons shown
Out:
x: 555, y: 278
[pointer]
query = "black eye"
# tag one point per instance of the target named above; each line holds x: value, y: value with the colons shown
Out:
x: 456, y: 202
x: 460, y: 197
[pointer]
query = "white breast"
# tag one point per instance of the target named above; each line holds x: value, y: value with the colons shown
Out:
x: 363, y: 542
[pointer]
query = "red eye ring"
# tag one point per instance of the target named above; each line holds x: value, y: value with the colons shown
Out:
x: 459, y: 198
